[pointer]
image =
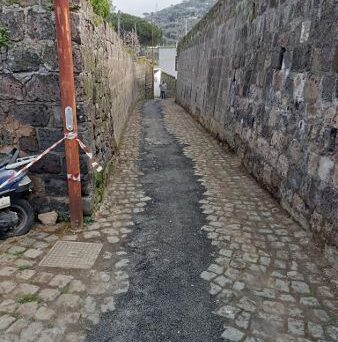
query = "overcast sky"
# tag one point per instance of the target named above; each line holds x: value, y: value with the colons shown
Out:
x: 137, y: 7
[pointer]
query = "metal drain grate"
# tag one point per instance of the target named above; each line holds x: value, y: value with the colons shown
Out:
x: 65, y: 254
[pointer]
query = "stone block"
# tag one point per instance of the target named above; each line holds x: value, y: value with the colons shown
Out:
x: 43, y: 88
x: 294, y: 178
x: 301, y: 58
x: 329, y: 203
x: 29, y: 144
x: 322, y: 59
x: 55, y: 186
x: 49, y: 55
x: 60, y: 205
x: 33, y: 114
x: 312, y: 90
x: 24, y: 58
x: 10, y: 88
x: 88, y: 205
x: 76, y: 28
x: 48, y: 137
x: 49, y: 218
x: 14, y: 21
x: 51, y: 163
x: 327, y: 88
x: 39, y: 25
x: 325, y: 169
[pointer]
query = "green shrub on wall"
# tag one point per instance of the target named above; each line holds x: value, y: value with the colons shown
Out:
x: 4, y: 40
x: 101, y: 7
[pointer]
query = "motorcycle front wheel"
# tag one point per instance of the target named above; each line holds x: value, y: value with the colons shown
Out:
x: 25, y: 214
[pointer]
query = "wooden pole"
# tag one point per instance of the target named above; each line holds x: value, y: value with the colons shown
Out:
x: 68, y: 104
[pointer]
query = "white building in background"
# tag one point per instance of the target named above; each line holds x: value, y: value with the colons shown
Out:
x: 167, y: 60
x: 157, y: 82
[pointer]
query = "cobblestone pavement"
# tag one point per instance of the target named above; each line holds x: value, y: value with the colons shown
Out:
x: 53, y: 304
x: 269, y: 281
x: 167, y: 300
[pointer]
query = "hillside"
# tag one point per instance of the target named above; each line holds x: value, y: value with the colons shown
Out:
x: 175, y: 19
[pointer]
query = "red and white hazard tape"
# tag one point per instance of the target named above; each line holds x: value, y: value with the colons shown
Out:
x: 69, y: 136
x: 95, y: 165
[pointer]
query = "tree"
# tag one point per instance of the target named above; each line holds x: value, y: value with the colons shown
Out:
x: 102, y: 7
x: 144, y: 28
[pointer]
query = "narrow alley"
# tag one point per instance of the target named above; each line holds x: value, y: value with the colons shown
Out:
x: 192, y: 249
x: 251, y: 282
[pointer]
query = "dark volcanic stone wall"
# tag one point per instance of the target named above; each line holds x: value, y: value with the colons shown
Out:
x: 109, y: 82
x: 262, y: 76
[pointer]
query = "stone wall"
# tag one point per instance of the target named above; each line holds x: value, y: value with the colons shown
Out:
x: 262, y: 76
x: 171, y: 84
x: 109, y: 82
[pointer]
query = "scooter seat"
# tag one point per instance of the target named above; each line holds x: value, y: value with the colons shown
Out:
x: 6, y: 174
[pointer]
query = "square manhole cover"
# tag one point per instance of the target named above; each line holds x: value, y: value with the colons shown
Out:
x: 65, y: 254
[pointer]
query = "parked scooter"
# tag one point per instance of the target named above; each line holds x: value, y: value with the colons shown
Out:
x: 16, y: 214
x: 11, y: 161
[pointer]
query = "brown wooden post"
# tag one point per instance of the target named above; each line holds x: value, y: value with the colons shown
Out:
x: 68, y: 103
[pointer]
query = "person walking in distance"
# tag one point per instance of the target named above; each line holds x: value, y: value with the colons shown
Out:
x: 163, y: 89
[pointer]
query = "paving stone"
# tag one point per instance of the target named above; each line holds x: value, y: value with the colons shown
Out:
x: 25, y: 274
x: 247, y: 304
x: 113, y: 239
x: 8, y: 306
x: 7, y: 286
x: 33, y: 253
x: 24, y: 263
x: 89, y: 304
x: 69, y: 301
x: 16, y: 250
x: 7, y: 271
x: 300, y: 287
x: 238, y: 286
x: 108, y: 305
x: 295, y: 327
x: 76, y: 286
x: 17, y: 327
x: 243, y: 320
x: 44, y: 314
x: 91, y: 235
x: 26, y: 289
x: 60, y: 280
x: 214, y: 289
x: 68, y: 318
x: 315, y: 330
x: 32, y: 332
x: 28, y: 310
x: 208, y: 275
x: 321, y: 315
x: 309, y: 301
x: 333, y: 332
x: 6, y: 321
x: 122, y: 263
x: 43, y: 277
x: 282, y: 285
x: 222, y: 281
x: 49, y: 294
x: 232, y: 334
x: 228, y: 311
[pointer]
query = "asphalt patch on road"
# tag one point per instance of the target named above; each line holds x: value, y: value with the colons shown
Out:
x: 167, y: 300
